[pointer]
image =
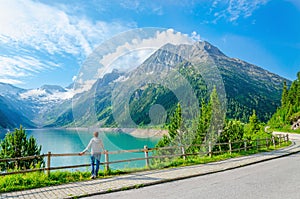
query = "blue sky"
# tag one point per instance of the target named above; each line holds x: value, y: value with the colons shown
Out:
x: 45, y: 42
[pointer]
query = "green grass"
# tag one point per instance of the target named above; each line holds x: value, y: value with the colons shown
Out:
x: 193, y: 160
x: 40, y: 179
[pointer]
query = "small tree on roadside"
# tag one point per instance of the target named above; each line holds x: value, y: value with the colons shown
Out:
x: 176, y: 122
x: 16, y: 144
x: 233, y: 131
x: 254, y: 129
x: 217, y: 117
x: 174, y: 129
x: 203, y: 123
x: 254, y: 124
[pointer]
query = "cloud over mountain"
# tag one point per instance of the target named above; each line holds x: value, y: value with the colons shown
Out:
x: 32, y: 32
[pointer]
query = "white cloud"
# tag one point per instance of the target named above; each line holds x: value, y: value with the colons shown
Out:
x: 142, y: 48
x: 215, y: 3
x: 195, y: 36
x: 143, y: 6
x: 82, y: 86
x: 10, y: 81
x: 45, y: 32
x: 39, y: 26
x: 45, y: 27
x: 232, y: 10
x: 74, y: 78
x: 126, y: 52
x: 128, y: 61
x: 17, y: 66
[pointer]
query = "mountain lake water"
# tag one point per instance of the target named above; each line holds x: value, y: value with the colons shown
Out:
x: 74, y: 141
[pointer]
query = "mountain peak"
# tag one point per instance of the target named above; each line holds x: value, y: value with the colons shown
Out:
x: 201, y: 49
x: 209, y: 48
x: 8, y: 89
x: 53, y: 88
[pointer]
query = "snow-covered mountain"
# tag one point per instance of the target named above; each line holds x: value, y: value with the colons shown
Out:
x: 30, y: 105
x: 47, y: 93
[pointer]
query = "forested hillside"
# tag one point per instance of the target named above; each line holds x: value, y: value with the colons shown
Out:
x: 10, y: 118
x: 288, y: 115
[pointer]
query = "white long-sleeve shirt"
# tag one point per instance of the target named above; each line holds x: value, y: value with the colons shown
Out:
x: 96, y: 146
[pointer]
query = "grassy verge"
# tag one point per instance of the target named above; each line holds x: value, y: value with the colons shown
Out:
x: 40, y: 179
x: 193, y: 160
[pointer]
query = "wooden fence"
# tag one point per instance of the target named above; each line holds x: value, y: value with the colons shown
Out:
x: 244, y: 145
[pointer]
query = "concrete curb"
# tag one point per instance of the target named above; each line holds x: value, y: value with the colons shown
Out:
x: 195, y: 175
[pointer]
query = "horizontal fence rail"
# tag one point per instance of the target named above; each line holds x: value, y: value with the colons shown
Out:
x: 242, y: 145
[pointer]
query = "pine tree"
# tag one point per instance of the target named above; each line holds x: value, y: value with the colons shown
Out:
x: 253, y: 128
x: 203, y: 123
x: 290, y: 108
x: 164, y: 141
x: 217, y: 117
x: 254, y: 124
x: 284, y: 99
x: 292, y: 93
x: 290, y: 112
x: 15, y: 145
x: 298, y: 93
x: 173, y: 128
x: 176, y: 122
x: 175, y: 137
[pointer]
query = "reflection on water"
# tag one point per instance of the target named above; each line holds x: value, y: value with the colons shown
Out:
x: 72, y: 141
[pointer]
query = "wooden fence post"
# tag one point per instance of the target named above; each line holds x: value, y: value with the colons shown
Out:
x: 245, y: 145
x: 267, y: 143
x: 48, y: 163
x: 209, y: 149
x: 257, y: 144
x: 106, y: 160
x: 279, y: 140
x: 287, y: 138
x: 230, y: 147
x: 146, y: 156
x: 273, y: 140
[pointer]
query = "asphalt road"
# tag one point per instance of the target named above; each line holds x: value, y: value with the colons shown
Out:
x: 275, y: 179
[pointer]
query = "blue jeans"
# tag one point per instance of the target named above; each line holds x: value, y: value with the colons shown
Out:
x: 97, y: 159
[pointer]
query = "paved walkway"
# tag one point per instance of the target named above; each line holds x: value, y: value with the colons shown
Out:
x: 146, y: 178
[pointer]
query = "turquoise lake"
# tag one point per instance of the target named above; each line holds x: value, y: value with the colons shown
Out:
x: 73, y: 141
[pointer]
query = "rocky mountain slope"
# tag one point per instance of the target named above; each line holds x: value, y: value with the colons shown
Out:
x: 247, y: 87
x: 156, y: 81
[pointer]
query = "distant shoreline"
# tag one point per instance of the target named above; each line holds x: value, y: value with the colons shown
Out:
x: 135, y: 132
